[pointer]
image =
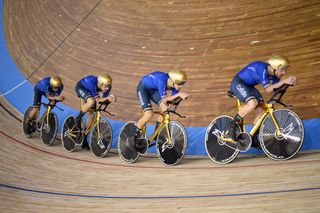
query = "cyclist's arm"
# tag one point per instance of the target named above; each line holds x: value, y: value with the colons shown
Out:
x: 106, y: 96
x: 100, y: 99
x: 55, y: 98
x: 270, y: 88
x: 170, y: 98
x: 182, y: 95
x: 290, y: 80
x: 58, y: 95
x: 110, y: 98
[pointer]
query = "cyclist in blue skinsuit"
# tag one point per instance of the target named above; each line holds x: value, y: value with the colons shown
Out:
x: 87, y: 89
x: 51, y: 88
x: 259, y: 72
x: 154, y: 87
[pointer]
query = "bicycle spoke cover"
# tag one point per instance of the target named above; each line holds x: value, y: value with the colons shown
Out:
x: 126, y: 152
x: 172, y: 153
x: 101, y: 147
x: 26, y: 128
x: 219, y: 151
x: 49, y: 132
x: 68, y: 140
x: 291, y: 139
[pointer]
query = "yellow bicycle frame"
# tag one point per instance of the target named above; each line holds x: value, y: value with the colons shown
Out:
x: 165, y: 122
x: 93, y: 121
x: 45, y: 115
x: 268, y: 109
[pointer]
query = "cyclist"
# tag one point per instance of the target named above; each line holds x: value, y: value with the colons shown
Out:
x: 154, y: 87
x: 51, y: 88
x: 243, y: 86
x: 87, y: 89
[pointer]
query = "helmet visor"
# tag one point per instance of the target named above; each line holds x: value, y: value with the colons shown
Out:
x: 284, y: 68
x: 181, y: 83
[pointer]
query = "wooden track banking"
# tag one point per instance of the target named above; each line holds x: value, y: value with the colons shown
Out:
x: 37, y: 178
x: 210, y: 40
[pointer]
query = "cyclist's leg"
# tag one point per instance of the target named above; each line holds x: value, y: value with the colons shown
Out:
x: 248, y: 107
x: 255, y: 138
x: 156, y: 98
x: 37, y: 95
x: 145, y: 103
x: 90, y: 119
x: 245, y: 94
x: 258, y: 112
x: 258, y: 109
x: 89, y: 102
x: 140, y: 143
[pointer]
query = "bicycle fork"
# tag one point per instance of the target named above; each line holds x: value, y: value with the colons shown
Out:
x: 47, y: 117
x: 100, y: 143
x: 278, y: 130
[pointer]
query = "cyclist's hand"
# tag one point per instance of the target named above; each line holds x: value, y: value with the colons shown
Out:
x: 59, y: 98
x: 183, y: 95
x: 291, y: 80
x: 294, y: 80
x: 112, y: 98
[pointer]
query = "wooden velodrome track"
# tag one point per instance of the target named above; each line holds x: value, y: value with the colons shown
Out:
x: 38, y: 178
x: 208, y: 39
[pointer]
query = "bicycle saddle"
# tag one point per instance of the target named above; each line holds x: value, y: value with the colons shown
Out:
x: 230, y: 94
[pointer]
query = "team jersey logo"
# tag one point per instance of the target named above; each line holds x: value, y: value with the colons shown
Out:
x: 242, y: 91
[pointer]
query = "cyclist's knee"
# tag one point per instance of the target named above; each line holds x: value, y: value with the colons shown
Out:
x: 35, y: 110
x: 253, y: 103
x: 91, y: 101
x: 145, y: 119
x: 148, y: 115
x: 90, y: 114
x: 258, y: 110
x: 163, y: 106
x: 160, y: 119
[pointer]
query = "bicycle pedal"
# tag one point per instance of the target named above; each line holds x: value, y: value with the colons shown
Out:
x: 85, y: 145
x: 33, y: 126
x: 142, y: 145
x: 244, y: 142
x: 27, y: 128
x: 78, y: 139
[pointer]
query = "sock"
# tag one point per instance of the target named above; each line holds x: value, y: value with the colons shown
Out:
x: 238, y: 119
x: 81, y: 114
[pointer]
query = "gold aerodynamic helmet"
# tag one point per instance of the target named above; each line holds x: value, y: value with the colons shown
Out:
x: 55, y: 81
x: 178, y: 76
x: 278, y: 60
x: 104, y: 79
